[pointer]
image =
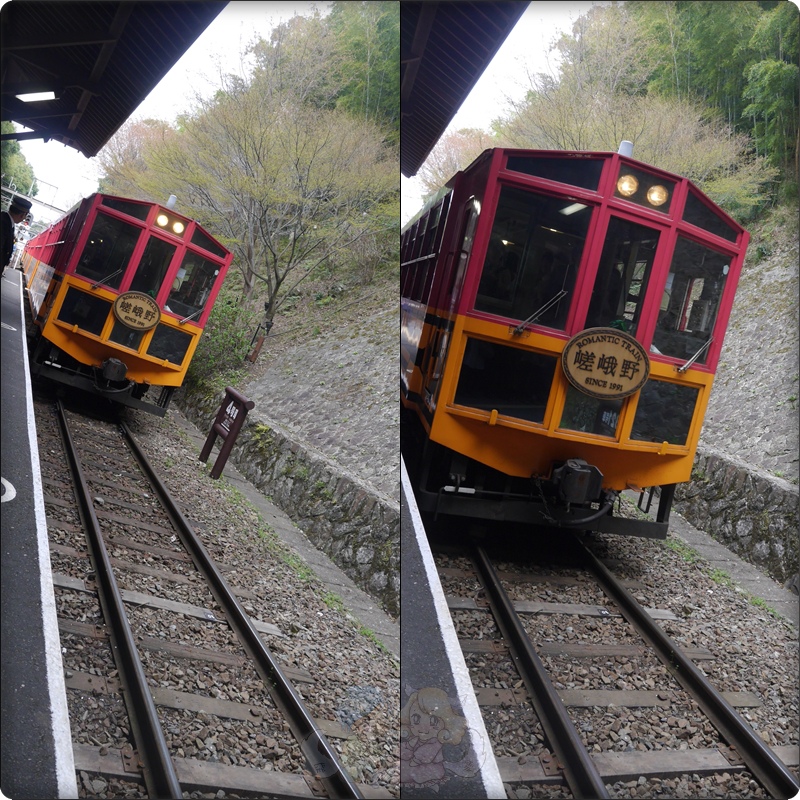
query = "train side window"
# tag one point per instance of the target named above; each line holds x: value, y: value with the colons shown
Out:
x: 531, y: 261
x: 620, y: 285
x: 153, y: 266
x: 107, y: 251
x: 192, y: 286
x: 467, y: 240
x: 690, y: 305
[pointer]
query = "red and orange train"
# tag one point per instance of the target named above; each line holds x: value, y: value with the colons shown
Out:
x: 120, y: 291
x: 562, y: 317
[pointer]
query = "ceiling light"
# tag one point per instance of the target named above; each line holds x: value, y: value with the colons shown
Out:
x: 572, y: 209
x: 627, y: 185
x: 32, y: 97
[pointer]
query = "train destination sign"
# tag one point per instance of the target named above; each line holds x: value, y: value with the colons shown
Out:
x: 137, y: 310
x: 605, y: 363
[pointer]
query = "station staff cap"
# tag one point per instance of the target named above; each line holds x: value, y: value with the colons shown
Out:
x: 19, y: 204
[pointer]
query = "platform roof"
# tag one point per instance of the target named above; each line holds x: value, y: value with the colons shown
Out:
x: 101, y: 59
x: 445, y: 47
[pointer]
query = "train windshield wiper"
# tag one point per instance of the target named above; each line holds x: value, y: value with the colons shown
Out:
x: 538, y: 313
x: 695, y: 356
x: 107, y: 278
x: 186, y: 319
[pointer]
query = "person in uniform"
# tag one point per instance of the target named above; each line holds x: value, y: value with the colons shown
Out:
x: 18, y: 209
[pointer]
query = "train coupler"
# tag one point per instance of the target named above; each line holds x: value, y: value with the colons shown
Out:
x: 577, y: 482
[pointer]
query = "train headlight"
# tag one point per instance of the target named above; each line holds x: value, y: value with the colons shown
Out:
x: 657, y: 195
x: 627, y: 185
x: 178, y: 227
x: 162, y: 220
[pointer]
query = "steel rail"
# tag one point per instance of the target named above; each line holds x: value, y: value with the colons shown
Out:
x: 158, y: 769
x: 580, y: 771
x: 767, y: 768
x: 322, y: 758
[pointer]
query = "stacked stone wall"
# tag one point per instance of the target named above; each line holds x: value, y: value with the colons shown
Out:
x: 753, y: 513
x: 341, y: 515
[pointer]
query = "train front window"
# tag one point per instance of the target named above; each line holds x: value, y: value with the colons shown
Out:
x: 192, y: 286
x: 89, y: 312
x: 698, y: 213
x: 690, y: 302
x: 664, y: 412
x: 590, y: 414
x: 620, y: 286
x: 576, y: 171
x: 153, y: 266
x: 514, y: 382
x: 532, y: 258
x: 107, y: 251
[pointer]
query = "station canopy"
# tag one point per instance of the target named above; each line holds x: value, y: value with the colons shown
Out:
x: 100, y: 60
x: 445, y: 47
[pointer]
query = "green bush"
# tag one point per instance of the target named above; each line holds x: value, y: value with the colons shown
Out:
x: 224, y: 344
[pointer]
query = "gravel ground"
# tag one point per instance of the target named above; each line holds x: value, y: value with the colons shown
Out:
x: 355, y: 680
x: 754, y: 651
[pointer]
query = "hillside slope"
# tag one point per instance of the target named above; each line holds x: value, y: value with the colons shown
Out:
x: 753, y: 411
x: 328, y: 373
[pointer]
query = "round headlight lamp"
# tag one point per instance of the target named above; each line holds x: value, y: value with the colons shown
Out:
x: 627, y: 185
x: 657, y: 195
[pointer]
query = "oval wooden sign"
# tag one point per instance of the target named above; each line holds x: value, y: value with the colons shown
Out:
x: 137, y: 310
x: 605, y: 363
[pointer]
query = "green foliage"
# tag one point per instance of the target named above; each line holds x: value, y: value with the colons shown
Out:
x: 219, y: 358
x: 738, y: 57
x: 368, y: 41
x: 675, y: 78
x: 17, y: 172
x: 277, y: 165
x: 772, y: 87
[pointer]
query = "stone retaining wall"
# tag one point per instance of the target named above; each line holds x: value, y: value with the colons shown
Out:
x: 754, y: 514
x: 341, y: 515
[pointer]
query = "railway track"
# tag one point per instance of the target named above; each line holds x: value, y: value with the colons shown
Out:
x: 174, y: 689
x: 584, y: 694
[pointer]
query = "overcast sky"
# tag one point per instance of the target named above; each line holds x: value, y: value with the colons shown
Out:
x: 526, y: 50
x: 65, y: 176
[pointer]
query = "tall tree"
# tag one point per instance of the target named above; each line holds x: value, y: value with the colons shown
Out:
x: 601, y: 97
x: 124, y: 159
x: 453, y: 152
x: 368, y: 43
x: 292, y: 182
x: 17, y: 172
x: 288, y: 186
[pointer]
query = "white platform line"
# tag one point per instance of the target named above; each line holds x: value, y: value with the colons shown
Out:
x: 490, y: 773
x: 59, y: 714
